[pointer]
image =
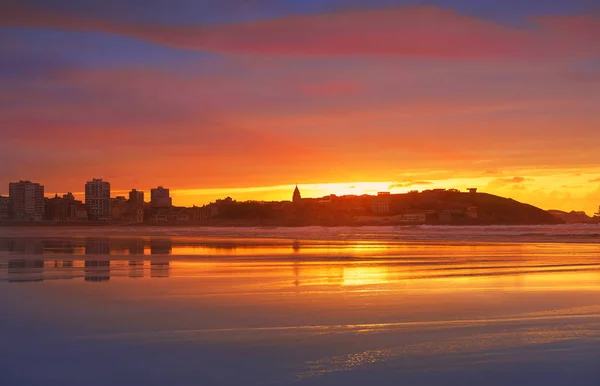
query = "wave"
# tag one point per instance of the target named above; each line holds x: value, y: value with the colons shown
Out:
x: 579, y: 233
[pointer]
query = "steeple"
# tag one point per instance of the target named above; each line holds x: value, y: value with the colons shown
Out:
x: 296, y: 197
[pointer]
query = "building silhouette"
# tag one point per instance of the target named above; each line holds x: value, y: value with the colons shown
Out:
x: 119, y: 207
x: 296, y: 197
x: 161, y: 246
x: 65, y: 208
x: 23, y: 270
x: 97, y: 199
x: 159, y: 269
x: 135, y: 246
x: 97, y: 270
x: 159, y: 198
x: 26, y: 201
x: 4, y: 208
x: 136, y: 197
x: 381, y: 203
x: 97, y: 246
x: 136, y: 269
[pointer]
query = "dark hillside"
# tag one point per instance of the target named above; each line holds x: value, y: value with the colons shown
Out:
x: 490, y: 209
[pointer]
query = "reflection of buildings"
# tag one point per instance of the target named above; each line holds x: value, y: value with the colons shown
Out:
x: 60, y: 269
x: 25, y: 270
x: 161, y: 246
x: 97, y: 246
x: 26, y: 201
x: 136, y: 268
x: 159, y: 269
x: 26, y: 246
x: 135, y: 246
x: 53, y: 246
x: 97, y: 270
x: 97, y: 199
x: 63, y: 264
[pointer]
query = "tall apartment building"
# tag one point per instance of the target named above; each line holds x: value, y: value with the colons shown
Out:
x: 159, y: 198
x: 26, y: 201
x: 4, y: 208
x: 97, y: 199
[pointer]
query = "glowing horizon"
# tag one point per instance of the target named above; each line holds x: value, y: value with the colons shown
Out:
x: 511, y: 187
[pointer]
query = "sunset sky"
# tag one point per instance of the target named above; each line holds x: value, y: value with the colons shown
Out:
x: 246, y: 98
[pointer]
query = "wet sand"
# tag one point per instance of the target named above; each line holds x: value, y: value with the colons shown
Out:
x: 337, y: 306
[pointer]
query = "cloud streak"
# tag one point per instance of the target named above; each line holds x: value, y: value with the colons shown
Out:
x: 408, y: 184
x: 409, y: 31
x: 514, y: 183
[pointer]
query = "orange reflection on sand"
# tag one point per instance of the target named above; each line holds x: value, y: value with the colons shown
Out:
x: 365, y: 275
x: 358, y: 248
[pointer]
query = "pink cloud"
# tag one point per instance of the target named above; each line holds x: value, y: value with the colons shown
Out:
x: 410, y: 31
x: 326, y: 89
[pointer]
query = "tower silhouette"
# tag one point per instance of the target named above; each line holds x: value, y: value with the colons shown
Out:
x: 296, y: 197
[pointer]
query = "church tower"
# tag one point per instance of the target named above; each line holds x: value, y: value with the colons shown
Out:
x: 296, y: 197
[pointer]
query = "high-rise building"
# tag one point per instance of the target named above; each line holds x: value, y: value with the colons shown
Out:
x: 3, y: 208
x: 159, y: 198
x: 26, y: 201
x: 136, y: 198
x: 97, y: 199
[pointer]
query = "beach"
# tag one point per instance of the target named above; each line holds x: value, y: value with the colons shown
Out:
x: 419, y: 305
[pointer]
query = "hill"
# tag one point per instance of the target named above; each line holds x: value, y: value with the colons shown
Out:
x: 489, y: 208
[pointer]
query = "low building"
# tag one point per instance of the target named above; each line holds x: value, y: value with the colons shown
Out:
x: 118, y: 208
x: 171, y: 215
x: 413, y: 217
x: 136, y: 215
x: 203, y: 213
x: 136, y: 198
x: 573, y: 217
x: 472, y: 212
x: 381, y: 203
x: 65, y: 209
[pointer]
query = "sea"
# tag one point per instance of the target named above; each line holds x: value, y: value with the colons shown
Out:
x: 397, y: 305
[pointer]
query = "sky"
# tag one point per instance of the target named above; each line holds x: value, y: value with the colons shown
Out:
x: 246, y: 98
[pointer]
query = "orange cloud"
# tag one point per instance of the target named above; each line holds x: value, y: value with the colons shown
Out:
x: 514, y: 183
x: 412, y: 31
x: 408, y: 184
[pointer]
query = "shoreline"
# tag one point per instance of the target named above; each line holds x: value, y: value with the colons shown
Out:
x: 42, y: 224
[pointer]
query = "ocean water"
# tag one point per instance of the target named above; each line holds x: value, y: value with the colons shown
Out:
x: 415, y: 305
